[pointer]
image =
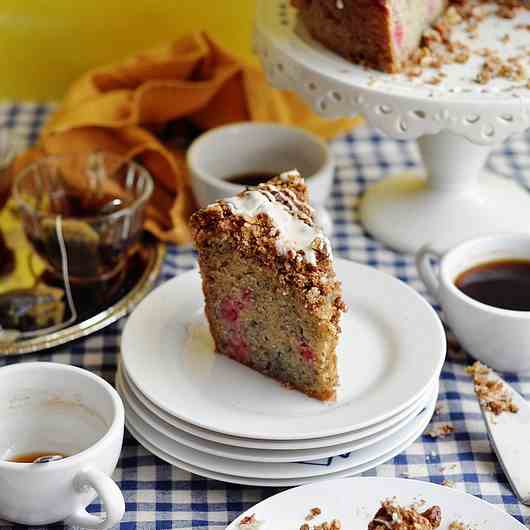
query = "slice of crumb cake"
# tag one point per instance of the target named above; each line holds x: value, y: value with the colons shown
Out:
x: 273, y: 301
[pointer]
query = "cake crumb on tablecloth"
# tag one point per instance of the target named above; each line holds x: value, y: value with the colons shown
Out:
x: 440, y: 431
x: 491, y: 392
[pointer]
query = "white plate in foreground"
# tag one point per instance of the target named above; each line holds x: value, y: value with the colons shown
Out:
x: 392, y: 347
x: 354, y: 501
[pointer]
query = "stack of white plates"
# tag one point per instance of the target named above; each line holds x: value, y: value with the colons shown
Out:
x: 214, y: 417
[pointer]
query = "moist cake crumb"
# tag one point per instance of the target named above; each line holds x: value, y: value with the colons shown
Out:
x: 335, y: 524
x: 457, y: 525
x: 492, y: 393
x: 439, y: 409
x: 250, y: 523
x: 313, y: 512
x: 440, y: 431
x: 418, y: 504
x: 391, y: 516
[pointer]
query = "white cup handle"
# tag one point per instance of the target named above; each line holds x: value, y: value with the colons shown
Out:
x: 425, y: 269
x: 108, y: 492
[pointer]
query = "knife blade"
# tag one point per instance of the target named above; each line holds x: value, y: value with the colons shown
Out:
x: 509, y: 435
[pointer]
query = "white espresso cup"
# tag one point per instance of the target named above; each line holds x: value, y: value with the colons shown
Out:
x: 255, y: 147
x: 498, y: 337
x: 59, y: 409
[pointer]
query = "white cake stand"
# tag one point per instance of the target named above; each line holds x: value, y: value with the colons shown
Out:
x: 456, y: 123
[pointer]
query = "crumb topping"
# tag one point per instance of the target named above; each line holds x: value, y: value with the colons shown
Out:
x: 274, y: 225
x: 290, y: 215
x: 335, y: 524
x: 441, y: 431
x: 250, y: 523
x: 391, y: 516
x: 491, y: 391
x: 313, y: 512
x: 439, y: 47
x: 457, y: 525
x: 292, y: 218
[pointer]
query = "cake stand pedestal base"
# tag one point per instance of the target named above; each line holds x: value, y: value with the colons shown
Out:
x: 457, y: 201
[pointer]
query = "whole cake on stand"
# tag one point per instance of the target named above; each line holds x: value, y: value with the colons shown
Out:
x: 379, y: 34
x: 457, y: 111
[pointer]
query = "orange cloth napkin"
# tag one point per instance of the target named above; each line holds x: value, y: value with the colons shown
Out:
x: 117, y: 108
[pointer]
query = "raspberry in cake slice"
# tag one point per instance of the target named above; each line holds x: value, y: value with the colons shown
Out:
x: 272, y: 299
x: 393, y: 517
x: 380, y: 34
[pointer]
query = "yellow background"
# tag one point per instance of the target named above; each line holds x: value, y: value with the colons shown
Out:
x: 44, y: 44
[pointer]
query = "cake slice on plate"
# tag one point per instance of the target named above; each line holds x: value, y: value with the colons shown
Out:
x: 272, y: 299
x: 380, y: 34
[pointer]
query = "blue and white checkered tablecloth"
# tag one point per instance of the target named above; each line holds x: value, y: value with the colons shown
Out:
x: 160, y: 496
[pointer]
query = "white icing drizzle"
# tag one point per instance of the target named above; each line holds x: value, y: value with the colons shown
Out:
x: 383, y: 522
x: 293, y: 233
x: 340, y: 4
x: 293, y: 199
x: 286, y: 175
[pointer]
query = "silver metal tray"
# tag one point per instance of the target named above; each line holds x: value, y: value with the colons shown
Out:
x: 155, y: 258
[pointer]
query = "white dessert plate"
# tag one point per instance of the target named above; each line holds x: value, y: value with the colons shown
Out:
x: 281, y: 483
x: 258, y: 455
x: 354, y: 501
x: 392, y: 347
x: 274, y: 445
x: 279, y: 470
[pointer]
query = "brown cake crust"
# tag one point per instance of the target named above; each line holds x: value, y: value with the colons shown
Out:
x: 359, y: 30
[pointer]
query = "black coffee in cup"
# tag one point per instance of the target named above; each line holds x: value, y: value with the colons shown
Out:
x: 503, y: 283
